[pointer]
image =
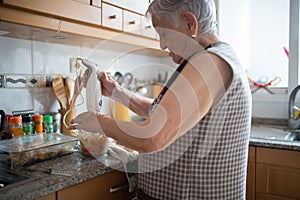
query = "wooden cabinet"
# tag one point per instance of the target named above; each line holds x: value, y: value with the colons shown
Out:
x: 277, y: 174
x: 250, y: 189
x: 97, y: 188
x: 132, y: 22
x: 79, y: 10
x: 51, y: 196
x: 138, y: 6
x: 112, y: 17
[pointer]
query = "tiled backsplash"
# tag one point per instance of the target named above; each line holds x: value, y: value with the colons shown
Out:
x: 27, y: 57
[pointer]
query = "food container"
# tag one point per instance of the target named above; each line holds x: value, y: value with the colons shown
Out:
x: 28, y: 150
x: 93, y: 144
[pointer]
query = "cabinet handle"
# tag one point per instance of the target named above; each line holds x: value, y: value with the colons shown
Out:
x: 119, y: 188
x: 113, y: 17
x: 147, y: 27
x: 132, y: 22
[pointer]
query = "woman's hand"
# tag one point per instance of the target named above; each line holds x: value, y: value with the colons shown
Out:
x: 108, y: 84
x: 87, y: 121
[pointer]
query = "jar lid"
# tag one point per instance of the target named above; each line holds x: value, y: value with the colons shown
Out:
x: 37, y: 118
x: 27, y: 118
x: 15, y: 120
x: 48, y: 118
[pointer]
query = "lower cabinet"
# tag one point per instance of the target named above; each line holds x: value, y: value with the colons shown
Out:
x: 97, y: 188
x: 250, y: 189
x: 277, y: 174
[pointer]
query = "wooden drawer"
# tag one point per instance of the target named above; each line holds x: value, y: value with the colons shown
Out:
x: 88, y: 2
x: 112, y: 17
x: 147, y: 28
x: 279, y: 157
x: 138, y: 6
x: 132, y: 22
x: 96, y: 3
x: 97, y: 188
x: 69, y: 9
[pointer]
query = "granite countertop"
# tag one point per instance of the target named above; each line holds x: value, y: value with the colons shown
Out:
x: 269, y: 132
x: 80, y: 168
x: 83, y: 168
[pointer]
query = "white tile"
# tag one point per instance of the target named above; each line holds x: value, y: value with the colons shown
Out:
x: 49, y: 58
x: 45, y: 100
x: 15, y: 56
x: 15, y: 99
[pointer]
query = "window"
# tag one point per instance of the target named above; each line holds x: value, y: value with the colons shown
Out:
x: 258, y: 30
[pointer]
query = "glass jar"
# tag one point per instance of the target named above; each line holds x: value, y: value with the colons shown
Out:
x: 38, y: 123
x: 56, y: 122
x: 48, y: 123
x: 27, y: 125
x: 16, y: 126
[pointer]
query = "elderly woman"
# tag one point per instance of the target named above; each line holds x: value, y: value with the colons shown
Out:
x: 194, y: 140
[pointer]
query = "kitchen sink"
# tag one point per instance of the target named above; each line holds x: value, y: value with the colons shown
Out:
x: 274, y: 133
x: 293, y: 136
x: 10, y: 179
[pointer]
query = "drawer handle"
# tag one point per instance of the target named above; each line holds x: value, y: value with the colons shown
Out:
x: 149, y: 26
x: 119, y: 188
x: 132, y: 22
x: 113, y: 17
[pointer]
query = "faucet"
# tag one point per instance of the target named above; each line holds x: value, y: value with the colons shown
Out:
x: 293, y: 121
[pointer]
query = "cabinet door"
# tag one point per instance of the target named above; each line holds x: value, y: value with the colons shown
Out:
x: 277, y: 174
x: 97, y: 188
x: 132, y: 22
x: 70, y: 9
x: 112, y: 17
x: 138, y: 6
x: 147, y: 29
x: 250, y: 190
x: 51, y: 196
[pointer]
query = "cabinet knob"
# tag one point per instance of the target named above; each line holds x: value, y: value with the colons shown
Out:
x: 132, y: 22
x: 119, y: 188
x: 113, y: 17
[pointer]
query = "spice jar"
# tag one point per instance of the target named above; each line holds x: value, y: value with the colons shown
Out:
x: 27, y: 125
x: 48, y: 123
x: 16, y: 126
x: 38, y: 123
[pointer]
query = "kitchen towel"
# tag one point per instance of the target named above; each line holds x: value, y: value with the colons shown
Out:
x: 129, y: 160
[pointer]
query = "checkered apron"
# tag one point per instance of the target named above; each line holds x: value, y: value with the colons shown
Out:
x: 210, y: 160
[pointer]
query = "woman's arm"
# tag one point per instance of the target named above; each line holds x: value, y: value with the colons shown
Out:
x: 138, y: 104
x: 187, y: 101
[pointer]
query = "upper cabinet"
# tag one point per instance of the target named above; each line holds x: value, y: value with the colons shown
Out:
x: 115, y: 20
x: 79, y: 10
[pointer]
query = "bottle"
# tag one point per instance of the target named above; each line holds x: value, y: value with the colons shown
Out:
x: 48, y: 123
x: 16, y: 126
x: 56, y: 122
x: 27, y: 125
x: 38, y: 123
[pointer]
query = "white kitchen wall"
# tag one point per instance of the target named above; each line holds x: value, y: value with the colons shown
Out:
x: 258, y: 31
x: 25, y: 57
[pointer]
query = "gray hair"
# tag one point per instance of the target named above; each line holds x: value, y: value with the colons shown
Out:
x: 204, y: 10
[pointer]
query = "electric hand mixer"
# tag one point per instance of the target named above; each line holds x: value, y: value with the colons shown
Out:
x: 93, y: 88
x: 93, y: 143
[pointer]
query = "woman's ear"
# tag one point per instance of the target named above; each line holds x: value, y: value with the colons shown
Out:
x: 191, y: 22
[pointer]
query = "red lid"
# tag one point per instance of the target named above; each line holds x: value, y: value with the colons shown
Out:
x: 37, y: 118
x: 15, y: 120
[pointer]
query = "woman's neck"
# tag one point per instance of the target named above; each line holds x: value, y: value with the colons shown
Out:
x: 207, y: 39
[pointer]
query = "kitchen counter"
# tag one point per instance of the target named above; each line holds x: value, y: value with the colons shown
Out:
x: 80, y: 168
x: 272, y: 136
x: 83, y: 168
